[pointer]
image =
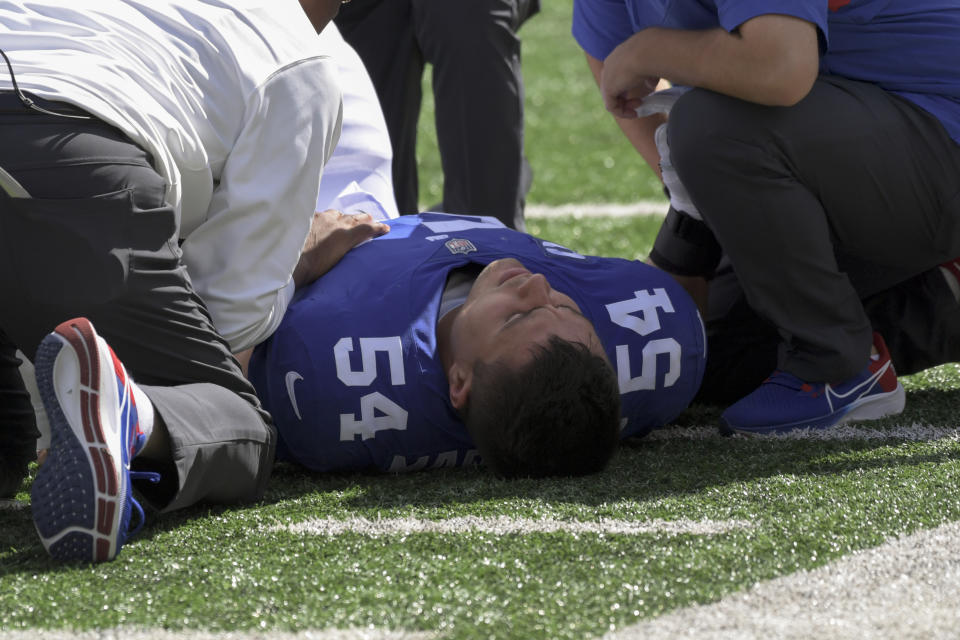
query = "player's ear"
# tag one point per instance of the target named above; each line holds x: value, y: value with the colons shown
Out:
x: 459, y: 379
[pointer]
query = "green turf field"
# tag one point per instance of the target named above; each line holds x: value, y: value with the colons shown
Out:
x: 681, y: 518
x: 785, y: 505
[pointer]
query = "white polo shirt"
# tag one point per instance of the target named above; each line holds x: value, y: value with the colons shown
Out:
x: 359, y: 175
x: 237, y: 102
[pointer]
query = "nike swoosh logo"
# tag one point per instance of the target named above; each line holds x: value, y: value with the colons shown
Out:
x: 291, y: 379
x: 863, y: 387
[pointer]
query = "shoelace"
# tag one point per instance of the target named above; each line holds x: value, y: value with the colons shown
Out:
x: 149, y: 476
x: 784, y: 379
x: 790, y: 381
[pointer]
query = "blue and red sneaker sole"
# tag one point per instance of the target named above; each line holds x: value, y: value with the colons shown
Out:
x: 80, y: 495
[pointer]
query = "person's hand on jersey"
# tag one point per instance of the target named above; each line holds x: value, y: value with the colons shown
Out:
x: 332, y: 235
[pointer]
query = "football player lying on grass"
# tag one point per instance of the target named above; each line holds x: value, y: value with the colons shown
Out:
x: 448, y: 332
x: 452, y: 335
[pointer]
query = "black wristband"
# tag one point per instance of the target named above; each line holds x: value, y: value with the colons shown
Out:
x: 685, y: 246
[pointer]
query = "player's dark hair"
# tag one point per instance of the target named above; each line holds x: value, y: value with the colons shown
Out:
x: 558, y: 415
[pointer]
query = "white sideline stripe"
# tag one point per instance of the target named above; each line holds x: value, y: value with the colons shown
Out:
x: 502, y: 525
x: 598, y: 209
x: 163, y: 634
x: 913, y: 433
x: 905, y: 588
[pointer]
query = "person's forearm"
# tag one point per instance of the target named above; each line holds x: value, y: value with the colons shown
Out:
x: 771, y: 60
x: 639, y: 131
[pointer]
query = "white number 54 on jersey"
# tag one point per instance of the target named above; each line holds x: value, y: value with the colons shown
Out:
x: 642, y: 314
x: 393, y: 416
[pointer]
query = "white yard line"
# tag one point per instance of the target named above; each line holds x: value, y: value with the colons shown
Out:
x: 122, y: 633
x: 598, y: 209
x: 502, y: 525
x: 906, y: 588
x: 913, y: 433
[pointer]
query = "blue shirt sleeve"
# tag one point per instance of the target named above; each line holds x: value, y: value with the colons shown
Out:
x: 733, y: 13
x: 600, y: 25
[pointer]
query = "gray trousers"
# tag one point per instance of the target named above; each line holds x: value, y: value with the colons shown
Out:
x: 478, y: 92
x: 98, y: 239
x: 802, y: 198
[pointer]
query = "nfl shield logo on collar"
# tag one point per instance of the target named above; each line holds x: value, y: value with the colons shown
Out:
x: 460, y: 245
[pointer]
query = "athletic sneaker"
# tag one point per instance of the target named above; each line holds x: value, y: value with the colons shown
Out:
x: 82, y: 500
x: 784, y: 402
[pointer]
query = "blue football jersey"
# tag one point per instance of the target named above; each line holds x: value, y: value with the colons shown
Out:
x: 352, y: 376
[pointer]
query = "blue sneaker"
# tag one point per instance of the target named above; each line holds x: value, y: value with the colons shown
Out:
x: 785, y: 403
x: 81, y: 497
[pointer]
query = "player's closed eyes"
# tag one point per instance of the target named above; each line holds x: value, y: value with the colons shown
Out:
x: 517, y: 316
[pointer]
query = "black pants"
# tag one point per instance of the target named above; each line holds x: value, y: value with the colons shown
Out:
x: 98, y: 239
x: 18, y: 431
x: 801, y: 197
x: 478, y: 92
x: 918, y: 318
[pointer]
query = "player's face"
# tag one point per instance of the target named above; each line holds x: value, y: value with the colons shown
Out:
x: 509, y: 310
